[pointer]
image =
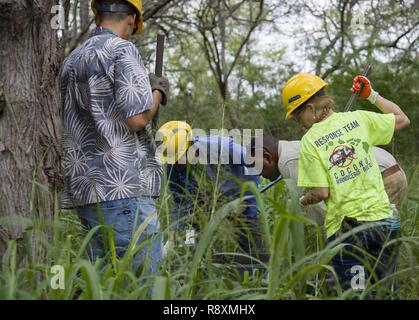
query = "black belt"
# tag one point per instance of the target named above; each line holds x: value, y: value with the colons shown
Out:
x: 391, y: 170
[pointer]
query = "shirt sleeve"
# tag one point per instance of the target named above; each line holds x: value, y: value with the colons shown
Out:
x: 380, y: 126
x: 132, y: 87
x: 311, y: 172
x: 237, y: 153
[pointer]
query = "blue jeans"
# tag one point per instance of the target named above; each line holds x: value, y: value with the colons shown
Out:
x: 374, y: 241
x: 126, y: 216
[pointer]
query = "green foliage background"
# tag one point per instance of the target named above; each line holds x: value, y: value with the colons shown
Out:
x: 299, y: 260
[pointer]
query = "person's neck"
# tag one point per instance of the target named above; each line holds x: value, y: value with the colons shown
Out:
x: 117, y: 29
x: 329, y: 113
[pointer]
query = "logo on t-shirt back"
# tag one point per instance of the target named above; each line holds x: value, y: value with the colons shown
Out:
x: 342, y: 155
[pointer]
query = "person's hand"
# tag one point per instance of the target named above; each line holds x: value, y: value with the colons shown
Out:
x: 300, y: 200
x: 367, y: 92
x: 161, y: 84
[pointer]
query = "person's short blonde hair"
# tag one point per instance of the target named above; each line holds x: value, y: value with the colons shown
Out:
x: 322, y: 102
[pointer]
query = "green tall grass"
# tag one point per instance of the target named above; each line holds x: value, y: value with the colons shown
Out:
x: 298, y: 268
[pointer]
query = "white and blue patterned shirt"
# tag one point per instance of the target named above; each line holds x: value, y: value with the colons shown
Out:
x: 103, y: 82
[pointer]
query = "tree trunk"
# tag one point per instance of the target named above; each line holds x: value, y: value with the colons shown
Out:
x: 225, y: 91
x: 84, y: 15
x: 30, y: 121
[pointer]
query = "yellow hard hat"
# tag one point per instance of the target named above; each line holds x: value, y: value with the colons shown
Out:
x: 137, y: 4
x: 298, y: 89
x: 176, y: 137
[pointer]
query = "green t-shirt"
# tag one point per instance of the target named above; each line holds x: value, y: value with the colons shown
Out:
x: 337, y: 153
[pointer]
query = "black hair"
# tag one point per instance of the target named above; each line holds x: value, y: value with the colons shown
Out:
x: 267, y: 141
x: 115, y: 16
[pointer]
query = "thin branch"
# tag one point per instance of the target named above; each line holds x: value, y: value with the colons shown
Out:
x: 246, y: 39
x: 157, y: 7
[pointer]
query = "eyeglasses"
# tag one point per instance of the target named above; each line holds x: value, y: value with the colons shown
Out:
x: 295, y: 115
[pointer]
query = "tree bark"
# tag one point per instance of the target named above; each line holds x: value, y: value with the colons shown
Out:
x: 84, y: 15
x: 225, y: 93
x: 30, y: 114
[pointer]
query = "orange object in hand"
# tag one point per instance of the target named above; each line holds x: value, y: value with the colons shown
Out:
x: 366, y: 90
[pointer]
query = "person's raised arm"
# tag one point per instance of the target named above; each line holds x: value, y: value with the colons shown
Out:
x: 386, y: 106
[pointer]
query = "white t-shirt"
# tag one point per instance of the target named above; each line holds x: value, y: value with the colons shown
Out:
x: 288, y: 154
x: 384, y: 159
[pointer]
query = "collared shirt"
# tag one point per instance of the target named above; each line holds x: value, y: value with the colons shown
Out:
x: 233, y: 174
x: 103, y: 82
